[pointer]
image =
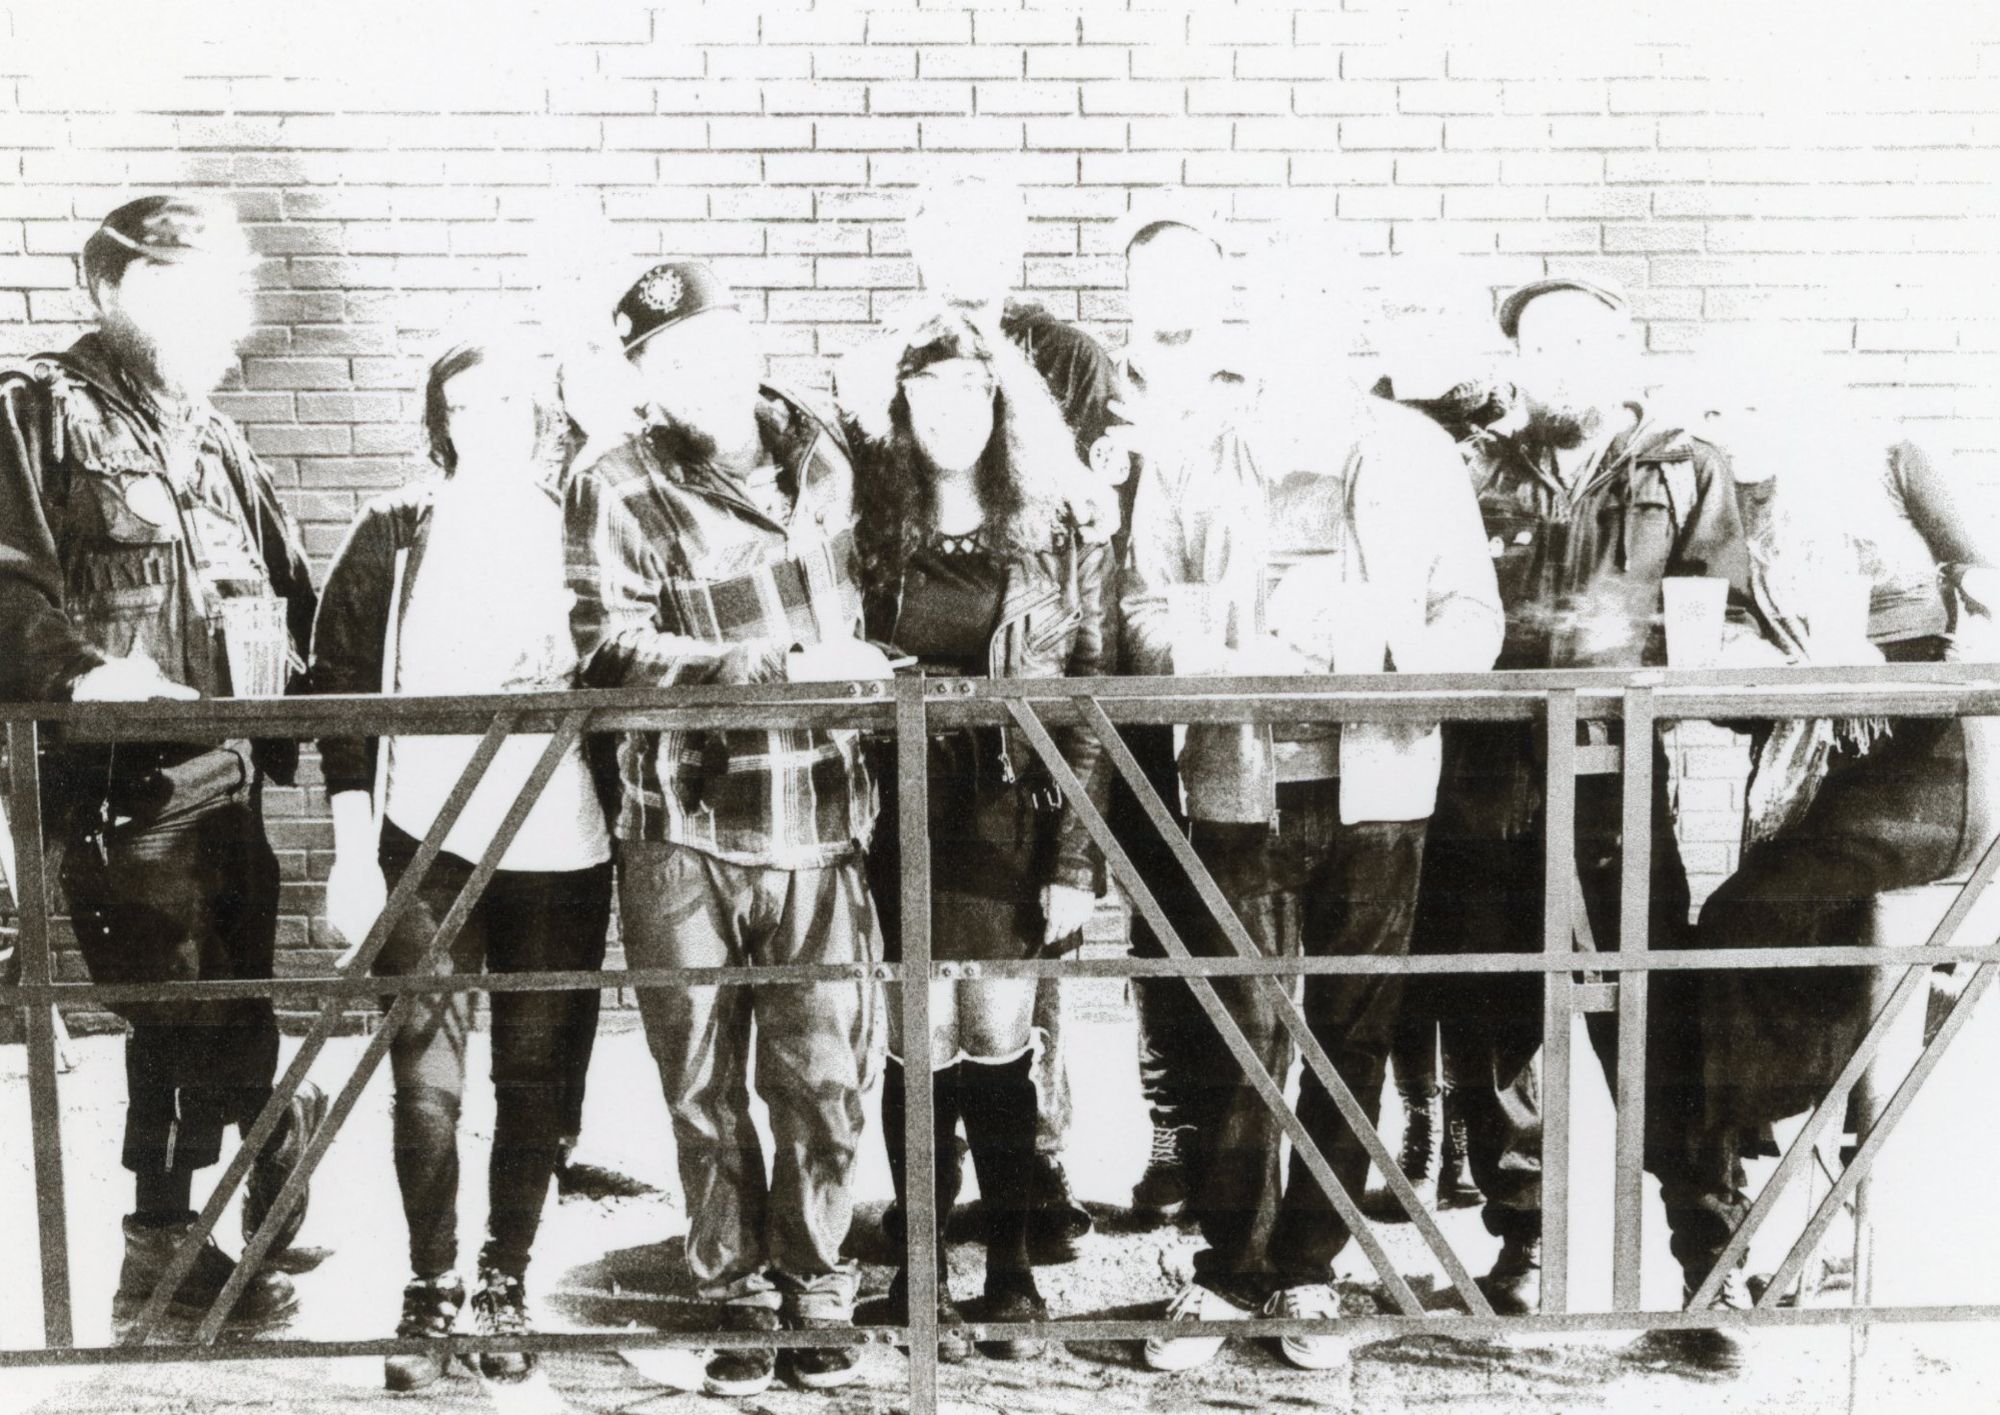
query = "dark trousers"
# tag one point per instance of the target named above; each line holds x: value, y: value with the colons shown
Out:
x: 1426, y: 1030
x: 1312, y: 887
x: 1166, y: 1009
x: 1484, y: 894
x: 181, y: 885
x: 525, y: 921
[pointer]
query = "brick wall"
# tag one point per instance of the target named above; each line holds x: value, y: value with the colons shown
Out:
x: 1826, y: 165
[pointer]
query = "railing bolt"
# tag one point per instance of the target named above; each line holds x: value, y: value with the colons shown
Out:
x: 968, y: 970
x: 882, y: 973
x: 947, y: 971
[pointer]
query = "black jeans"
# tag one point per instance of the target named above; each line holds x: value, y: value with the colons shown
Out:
x: 1485, y: 894
x: 183, y: 888
x: 1318, y: 888
x: 1167, y: 1013
x: 524, y: 922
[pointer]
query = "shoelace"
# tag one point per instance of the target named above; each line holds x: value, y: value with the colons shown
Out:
x: 501, y: 1304
x: 428, y: 1309
x: 1166, y: 1145
x: 1303, y: 1303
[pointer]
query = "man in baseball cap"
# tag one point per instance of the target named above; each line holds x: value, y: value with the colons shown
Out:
x: 716, y: 546
x: 132, y: 513
x: 1589, y: 504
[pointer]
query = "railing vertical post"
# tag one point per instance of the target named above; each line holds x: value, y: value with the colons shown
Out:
x: 31, y: 889
x: 1634, y: 907
x: 1558, y: 898
x: 922, y: 1223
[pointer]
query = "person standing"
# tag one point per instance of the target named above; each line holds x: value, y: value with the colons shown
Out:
x: 971, y: 565
x: 456, y: 587
x: 717, y: 546
x: 138, y: 534
x: 1588, y: 505
x: 969, y: 237
x: 1276, y: 537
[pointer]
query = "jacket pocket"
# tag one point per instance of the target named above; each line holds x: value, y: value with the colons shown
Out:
x: 1646, y: 542
x: 125, y: 572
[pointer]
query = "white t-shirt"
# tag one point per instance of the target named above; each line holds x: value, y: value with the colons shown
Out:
x: 489, y: 613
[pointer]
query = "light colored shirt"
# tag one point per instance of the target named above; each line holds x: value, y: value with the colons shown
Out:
x: 489, y: 613
x: 1372, y: 495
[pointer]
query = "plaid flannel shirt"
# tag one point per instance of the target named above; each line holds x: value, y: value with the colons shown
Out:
x: 680, y: 578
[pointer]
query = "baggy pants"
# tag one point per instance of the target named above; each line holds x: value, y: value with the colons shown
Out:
x: 185, y: 889
x: 756, y: 1240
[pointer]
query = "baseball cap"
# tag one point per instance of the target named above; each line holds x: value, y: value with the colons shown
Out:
x: 666, y: 295
x: 1510, y: 308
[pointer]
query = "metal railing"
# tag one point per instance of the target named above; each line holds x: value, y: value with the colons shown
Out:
x: 909, y: 710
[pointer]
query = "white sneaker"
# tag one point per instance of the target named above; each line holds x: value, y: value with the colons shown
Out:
x: 1320, y: 1351
x: 1193, y: 1303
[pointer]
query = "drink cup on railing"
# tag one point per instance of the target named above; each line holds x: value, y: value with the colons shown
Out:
x: 1695, y: 606
x: 257, y: 644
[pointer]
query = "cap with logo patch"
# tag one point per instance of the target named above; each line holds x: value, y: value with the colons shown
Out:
x: 666, y: 295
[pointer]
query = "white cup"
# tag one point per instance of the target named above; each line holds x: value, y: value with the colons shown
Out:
x: 1695, y: 606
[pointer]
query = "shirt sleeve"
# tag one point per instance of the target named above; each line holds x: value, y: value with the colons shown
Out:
x: 1960, y: 528
x: 1153, y: 560
x: 41, y: 654
x: 1415, y: 515
x: 619, y: 583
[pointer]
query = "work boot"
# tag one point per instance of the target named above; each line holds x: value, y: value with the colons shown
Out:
x: 1455, y: 1189
x: 1720, y: 1349
x: 264, y: 1303
x: 954, y: 1346
x: 1514, y: 1286
x: 820, y: 1367
x: 1013, y: 1297
x: 1419, y: 1143
x: 430, y: 1311
x: 1161, y: 1194
x: 500, y: 1308
x: 1056, y: 1220
x: 274, y: 1166
x: 743, y: 1370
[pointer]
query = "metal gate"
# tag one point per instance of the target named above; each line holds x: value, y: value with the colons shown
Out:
x: 909, y: 710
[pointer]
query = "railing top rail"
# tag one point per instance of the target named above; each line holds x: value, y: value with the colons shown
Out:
x: 1910, y: 690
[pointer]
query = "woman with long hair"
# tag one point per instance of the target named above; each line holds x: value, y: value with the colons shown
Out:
x: 972, y: 567
x: 455, y: 586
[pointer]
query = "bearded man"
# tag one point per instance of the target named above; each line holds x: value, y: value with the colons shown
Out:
x: 136, y: 526
x: 1588, y: 506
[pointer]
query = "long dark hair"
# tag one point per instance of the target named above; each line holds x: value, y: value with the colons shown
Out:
x: 1017, y: 479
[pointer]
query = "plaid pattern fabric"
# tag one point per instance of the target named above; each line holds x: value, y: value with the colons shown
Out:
x: 679, y: 578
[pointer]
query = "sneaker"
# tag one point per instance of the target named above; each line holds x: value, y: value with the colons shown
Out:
x: 266, y: 1301
x: 1057, y: 1219
x: 1013, y: 1297
x: 743, y: 1370
x: 820, y: 1367
x: 500, y: 1308
x: 1715, y: 1348
x: 1514, y: 1286
x: 1161, y: 1194
x: 1194, y: 1303
x: 274, y: 1166
x: 430, y: 1311
x: 954, y: 1346
x: 1317, y: 1351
